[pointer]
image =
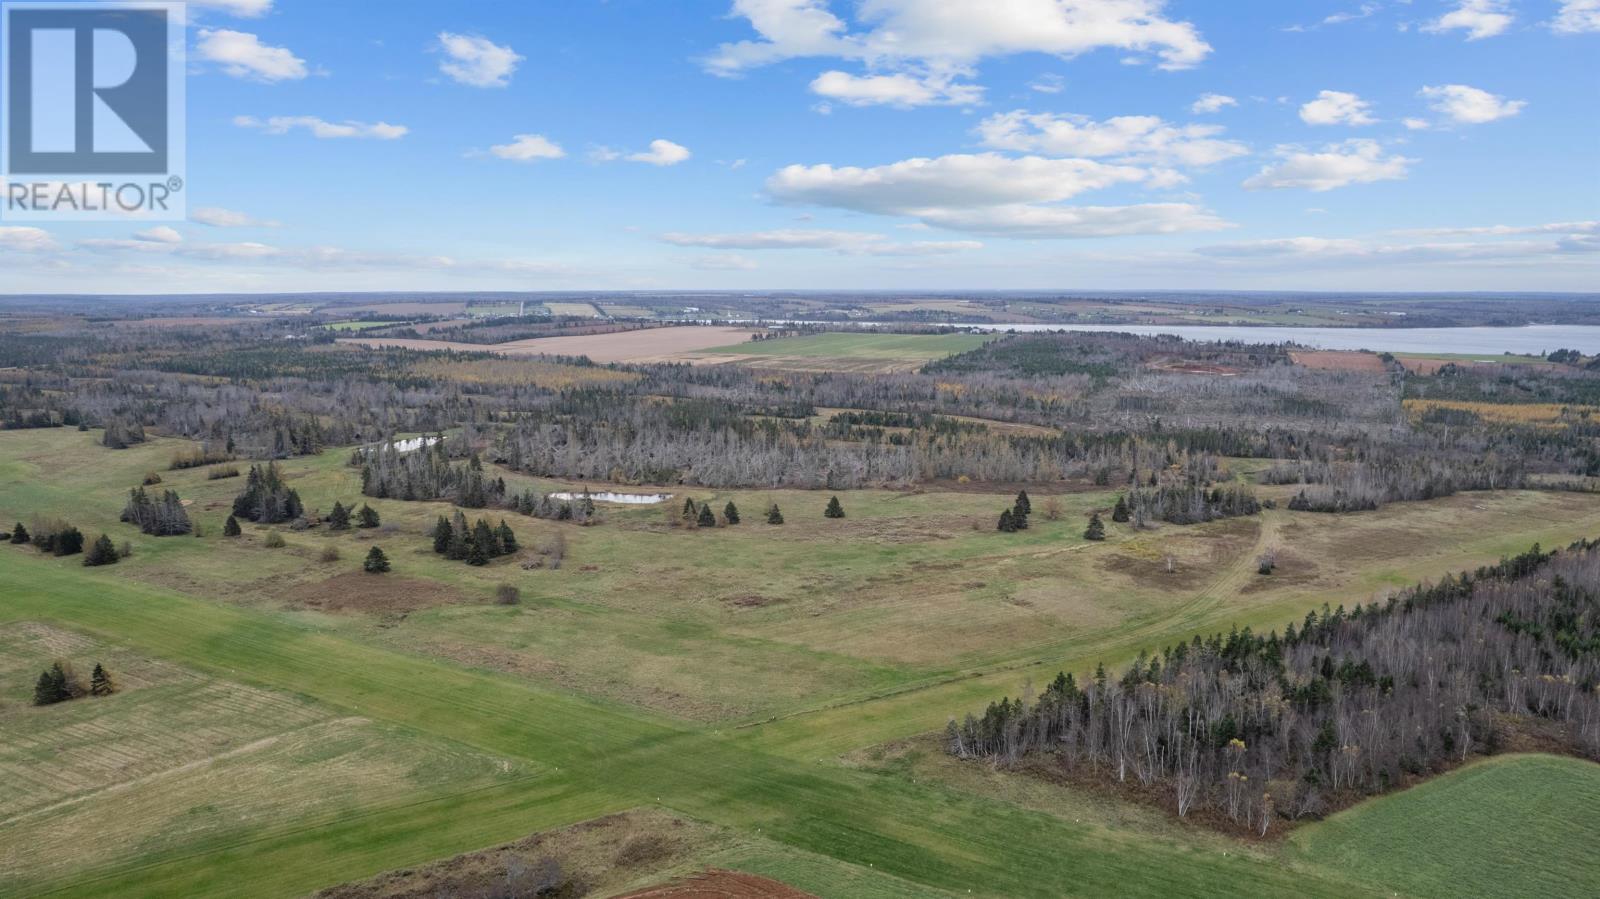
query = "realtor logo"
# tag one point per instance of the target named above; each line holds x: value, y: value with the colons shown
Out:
x: 93, y: 109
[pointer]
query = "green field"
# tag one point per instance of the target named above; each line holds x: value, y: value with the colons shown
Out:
x: 1520, y: 825
x: 360, y: 325
x: 719, y: 673
x: 853, y: 352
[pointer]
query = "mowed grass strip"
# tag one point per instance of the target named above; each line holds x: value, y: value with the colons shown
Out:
x: 1521, y: 825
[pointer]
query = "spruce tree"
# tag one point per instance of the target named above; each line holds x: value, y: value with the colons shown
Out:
x: 730, y: 513
x: 69, y: 542
x: 19, y: 534
x: 100, y: 683
x: 834, y: 510
x: 774, y: 516
x: 1019, y: 515
x: 508, y: 540
x: 1096, y: 529
x: 367, y: 517
x: 1023, y: 504
x: 102, y: 552
x: 48, y: 690
x: 230, y: 528
x: 690, y: 513
x: 484, y: 538
x: 1008, y: 523
x: 442, y: 536
x: 376, y: 562
x: 708, y: 518
x: 475, y: 553
x: 339, y: 518
x: 1120, y: 512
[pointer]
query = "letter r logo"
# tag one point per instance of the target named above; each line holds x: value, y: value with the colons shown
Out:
x: 87, y: 89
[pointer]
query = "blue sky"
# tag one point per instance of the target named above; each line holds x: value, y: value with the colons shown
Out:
x: 1380, y: 145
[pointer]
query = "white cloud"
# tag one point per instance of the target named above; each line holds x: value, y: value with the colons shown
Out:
x: 1124, y: 138
x: 249, y: 9
x: 217, y: 217
x: 1338, y: 165
x: 1283, y: 246
x: 242, y: 55
x: 1048, y: 84
x: 1571, y: 228
x: 477, y: 61
x: 1469, y: 105
x: 1360, y: 12
x: 1577, y: 17
x: 899, y: 90
x: 989, y: 193
x: 528, y: 147
x: 662, y: 152
x: 1320, y: 252
x: 160, y: 234
x: 921, y: 248
x: 1478, y: 18
x: 1416, y: 124
x: 25, y: 240
x: 323, y: 129
x: 1212, y: 103
x: 1336, y: 108
x: 953, y: 35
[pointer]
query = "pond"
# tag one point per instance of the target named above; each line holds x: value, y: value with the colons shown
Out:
x: 626, y: 499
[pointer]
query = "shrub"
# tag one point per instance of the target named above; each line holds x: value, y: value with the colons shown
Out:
x: 225, y: 471
x: 834, y: 510
x: 328, y: 554
x: 101, y: 552
x: 507, y: 595
x: 151, y: 479
x: 274, y: 540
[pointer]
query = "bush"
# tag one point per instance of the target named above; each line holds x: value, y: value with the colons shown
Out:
x: 151, y: 479
x: 225, y: 471
x: 101, y: 552
x: 328, y: 554
x: 507, y: 595
x: 274, y: 540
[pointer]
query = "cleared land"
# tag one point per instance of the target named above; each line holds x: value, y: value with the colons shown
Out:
x: 717, y: 673
x: 573, y: 309
x: 1508, y: 826
x: 1338, y: 360
x: 847, y: 352
x: 646, y: 345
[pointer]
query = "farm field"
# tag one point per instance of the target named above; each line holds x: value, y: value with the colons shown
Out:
x: 1512, y: 825
x: 848, y: 351
x: 645, y: 345
x: 658, y: 658
x: 587, y: 309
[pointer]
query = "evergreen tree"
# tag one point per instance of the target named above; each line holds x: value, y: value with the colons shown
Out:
x: 442, y: 536
x: 690, y: 513
x: 475, y: 553
x: 100, y: 683
x: 460, y: 537
x: 1023, y: 504
x: 1019, y: 515
x: 102, y: 552
x: 508, y: 540
x: 230, y: 528
x: 483, y: 537
x: 708, y: 518
x: 1008, y: 522
x: 834, y: 510
x: 376, y: 562
x: 19, y: 534
x: 774, y: 516
x: 1120, y: 513
x: 730, y: 513
x: 367, y: 517
x: 1096, y: 529
x: 339, y: 518
x: 69, y: 542
x: 47, y: 691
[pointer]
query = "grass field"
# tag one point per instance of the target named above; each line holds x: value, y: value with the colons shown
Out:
x: 360, y: 325
x: 851, y: 352
x: 719, y: 673
x: 581, y: 309
x: 1509, y: 826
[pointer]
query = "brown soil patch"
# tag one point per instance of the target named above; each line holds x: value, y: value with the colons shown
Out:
x: 1339, y: 360
x: 596, y: 857
x: 1184, y: 367
x: 719, y: 884
x: 640, y: 345
x: 359, y: 592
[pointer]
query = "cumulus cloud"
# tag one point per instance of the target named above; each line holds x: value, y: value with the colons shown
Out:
x: 661, y: 152
x: 1124, y: 138
x: 1577, y: 17
x: 1415, y: 124
x: 1208, y: 103
x: 217, y: 217
x: 527, y: 148
x: 323, y: 129
x: 160, y: 234
x: 1048, y: 84
x: 242, y: 55
x: 1478, y: 18
x: 1469, y: 105
x: 1338, y: 165
x: 899, y: 90
x: 21, y: 239
x: 989, y: 193
x: 1337, y: 108
x: 248, y: 9
x: 477, y: 61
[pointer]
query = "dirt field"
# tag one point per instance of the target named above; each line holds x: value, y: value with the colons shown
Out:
x: 646, y: 345
x: 722, y: 885
x: 1338, y: 360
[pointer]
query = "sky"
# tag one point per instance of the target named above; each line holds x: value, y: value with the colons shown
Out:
x: 334, y: 145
